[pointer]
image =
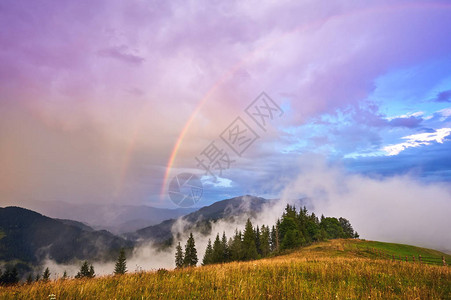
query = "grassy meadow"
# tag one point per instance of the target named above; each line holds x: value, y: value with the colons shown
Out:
x: 337, y: 269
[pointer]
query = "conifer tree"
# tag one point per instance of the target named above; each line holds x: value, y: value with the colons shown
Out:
x: 236, y: 252
x: 14, y: 276
x: 348, y: 231
x: 29, y: 278
x: 312, y: 228
x: 208, y: 256
x: 9, y: 277
x: 264, y: 241
x: 190, y: 259
x: 229, y: 248
x: 273, y: 239
x: 257, y: 241
x: 46, y: 275
x: 121, y: 264
x: 248, y: 246
x: 218, y: 252
x: 86, y: 271
x: 290, y: 228
x: 178, y: 256
x: 322, y: 234
x: 91, y: 272
x: 332, y: 227
x: 225, y: 248
x: 291, y: 239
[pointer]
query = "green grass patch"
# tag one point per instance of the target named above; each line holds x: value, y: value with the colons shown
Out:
x: 376, y: 249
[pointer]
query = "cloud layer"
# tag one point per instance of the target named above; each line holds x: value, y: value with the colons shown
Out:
x: 396, y: 209
x: 94, y: 95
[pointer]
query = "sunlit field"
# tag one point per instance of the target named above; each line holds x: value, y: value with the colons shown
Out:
x: 339, y: 269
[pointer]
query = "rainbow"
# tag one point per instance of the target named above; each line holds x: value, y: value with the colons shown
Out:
x: 237, y: 66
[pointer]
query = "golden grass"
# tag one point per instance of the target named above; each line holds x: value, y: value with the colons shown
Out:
x: 322, y: 271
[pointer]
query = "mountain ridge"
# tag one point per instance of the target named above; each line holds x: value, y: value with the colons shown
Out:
x: 199, y: 220
x: 115, y: 218
x: 30, y: 237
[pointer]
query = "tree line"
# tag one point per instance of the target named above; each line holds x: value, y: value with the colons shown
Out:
x: 293, y: 229
x: 10, y: 276
x: 189, y: 257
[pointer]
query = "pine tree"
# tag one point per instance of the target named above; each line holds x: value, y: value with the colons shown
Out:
x: 249, y: 248
x: 91, y: 272
x: 291, y: 239
x: 218, y: 252
x: 225, y: 248
x: 229, y: 249
x: 14, y: 276
x: 322, y: 234
x: 64, y: 275
x: 38, y: 277
x: 208, y: 256
x: 273, y: 239
x: 29, y: 278
x: 332, y: 227
x: 257, y: 241
x: 264, y: 241
x: 86, y: 271
x: 46, y: 275
x: 190, y: 259
x: 178, y: 256
x: 303, y: 223
x: 236, y: 252
x: 312, y: 228
x: 291, y: 227
x: 9, y: 277
x: 121, y: 264
x: 347, y: 228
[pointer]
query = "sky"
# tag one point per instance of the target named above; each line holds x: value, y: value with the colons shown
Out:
x: 107, y: 101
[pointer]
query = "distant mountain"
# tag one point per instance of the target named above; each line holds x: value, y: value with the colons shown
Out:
x: 201, y: 219
x: 80, y: 225
x: 27, y: 237
x: 228, y: 208
x: 30, y: 237
x: 115, y: 218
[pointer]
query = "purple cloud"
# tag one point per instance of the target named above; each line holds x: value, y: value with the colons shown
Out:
x: 121, y: 54
x: 410, y: 122
x: 444, y: 96
x: 64, y: 70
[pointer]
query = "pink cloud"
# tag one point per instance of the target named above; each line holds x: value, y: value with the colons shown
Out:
x: 56, y: 73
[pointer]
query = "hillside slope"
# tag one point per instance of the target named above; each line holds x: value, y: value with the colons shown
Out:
x: 117, y: 219
x: 30, y: 237
x: 338, y: 269
x: 224, y: 209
